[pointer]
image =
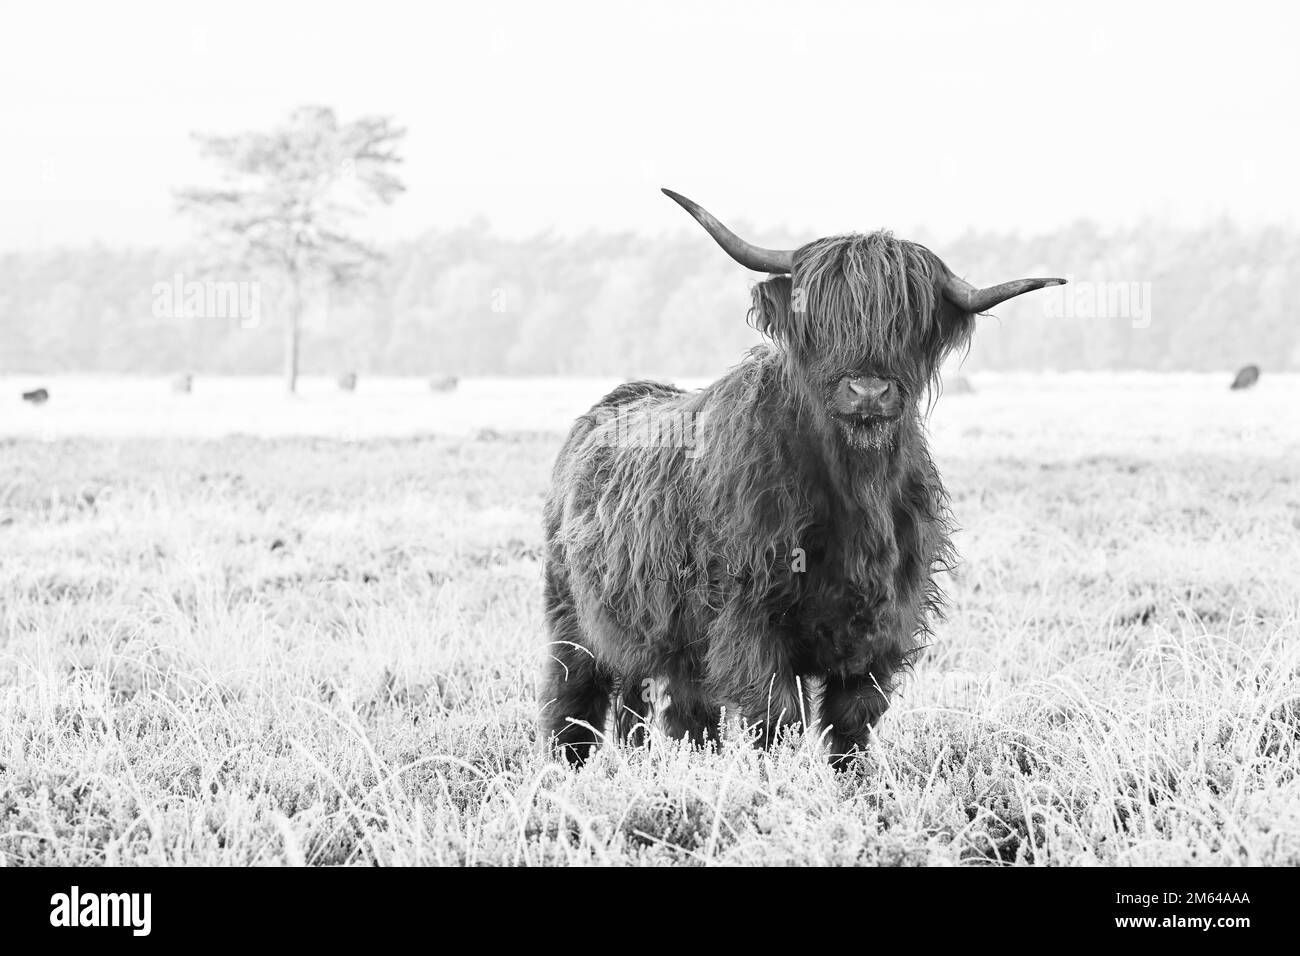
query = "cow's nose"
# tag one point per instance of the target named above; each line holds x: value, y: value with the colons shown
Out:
x: 872, y: 391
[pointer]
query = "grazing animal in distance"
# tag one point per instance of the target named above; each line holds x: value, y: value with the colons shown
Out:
x: 443, y: 383
x: 1246, y: 378
x: 783, y: 523
x: 37, y: 396
x: 348, y: 382
x: 183, y: 384
x: 957, y: 385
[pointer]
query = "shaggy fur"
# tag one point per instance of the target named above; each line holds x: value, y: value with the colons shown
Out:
x: 731, y: 540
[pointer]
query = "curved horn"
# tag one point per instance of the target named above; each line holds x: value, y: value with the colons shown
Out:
x: 968, y: 298
x: 749, y: 256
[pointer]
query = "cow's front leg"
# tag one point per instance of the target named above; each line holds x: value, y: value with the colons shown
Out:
x: 750, y: 668
x: 850, y: 709
x: 771, y: 708
x: 688, y: 712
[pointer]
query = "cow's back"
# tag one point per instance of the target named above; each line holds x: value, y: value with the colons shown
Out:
x: 616, y: 514
x: 626, y: 398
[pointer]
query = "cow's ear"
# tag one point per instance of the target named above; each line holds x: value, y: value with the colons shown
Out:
x: 770, y: 311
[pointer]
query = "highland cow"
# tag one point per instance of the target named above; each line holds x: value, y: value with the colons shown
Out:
x: 1246, y: 377
x: 784, y: 523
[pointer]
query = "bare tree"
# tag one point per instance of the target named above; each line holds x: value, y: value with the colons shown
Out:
x: 288, y: 196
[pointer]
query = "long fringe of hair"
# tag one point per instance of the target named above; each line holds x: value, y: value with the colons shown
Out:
x: 863, y: 301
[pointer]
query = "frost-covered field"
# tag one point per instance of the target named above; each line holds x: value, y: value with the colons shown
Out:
x: 314, y: 639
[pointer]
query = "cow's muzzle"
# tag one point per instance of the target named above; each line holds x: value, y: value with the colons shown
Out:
x: 868, y: 398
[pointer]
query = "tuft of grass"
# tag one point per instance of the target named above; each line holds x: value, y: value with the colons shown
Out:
x: 297, y: 651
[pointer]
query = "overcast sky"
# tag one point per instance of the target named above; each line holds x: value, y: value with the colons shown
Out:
x: 820, y: 117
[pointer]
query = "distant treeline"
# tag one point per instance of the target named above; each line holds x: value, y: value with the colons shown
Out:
x: 471, y: 303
